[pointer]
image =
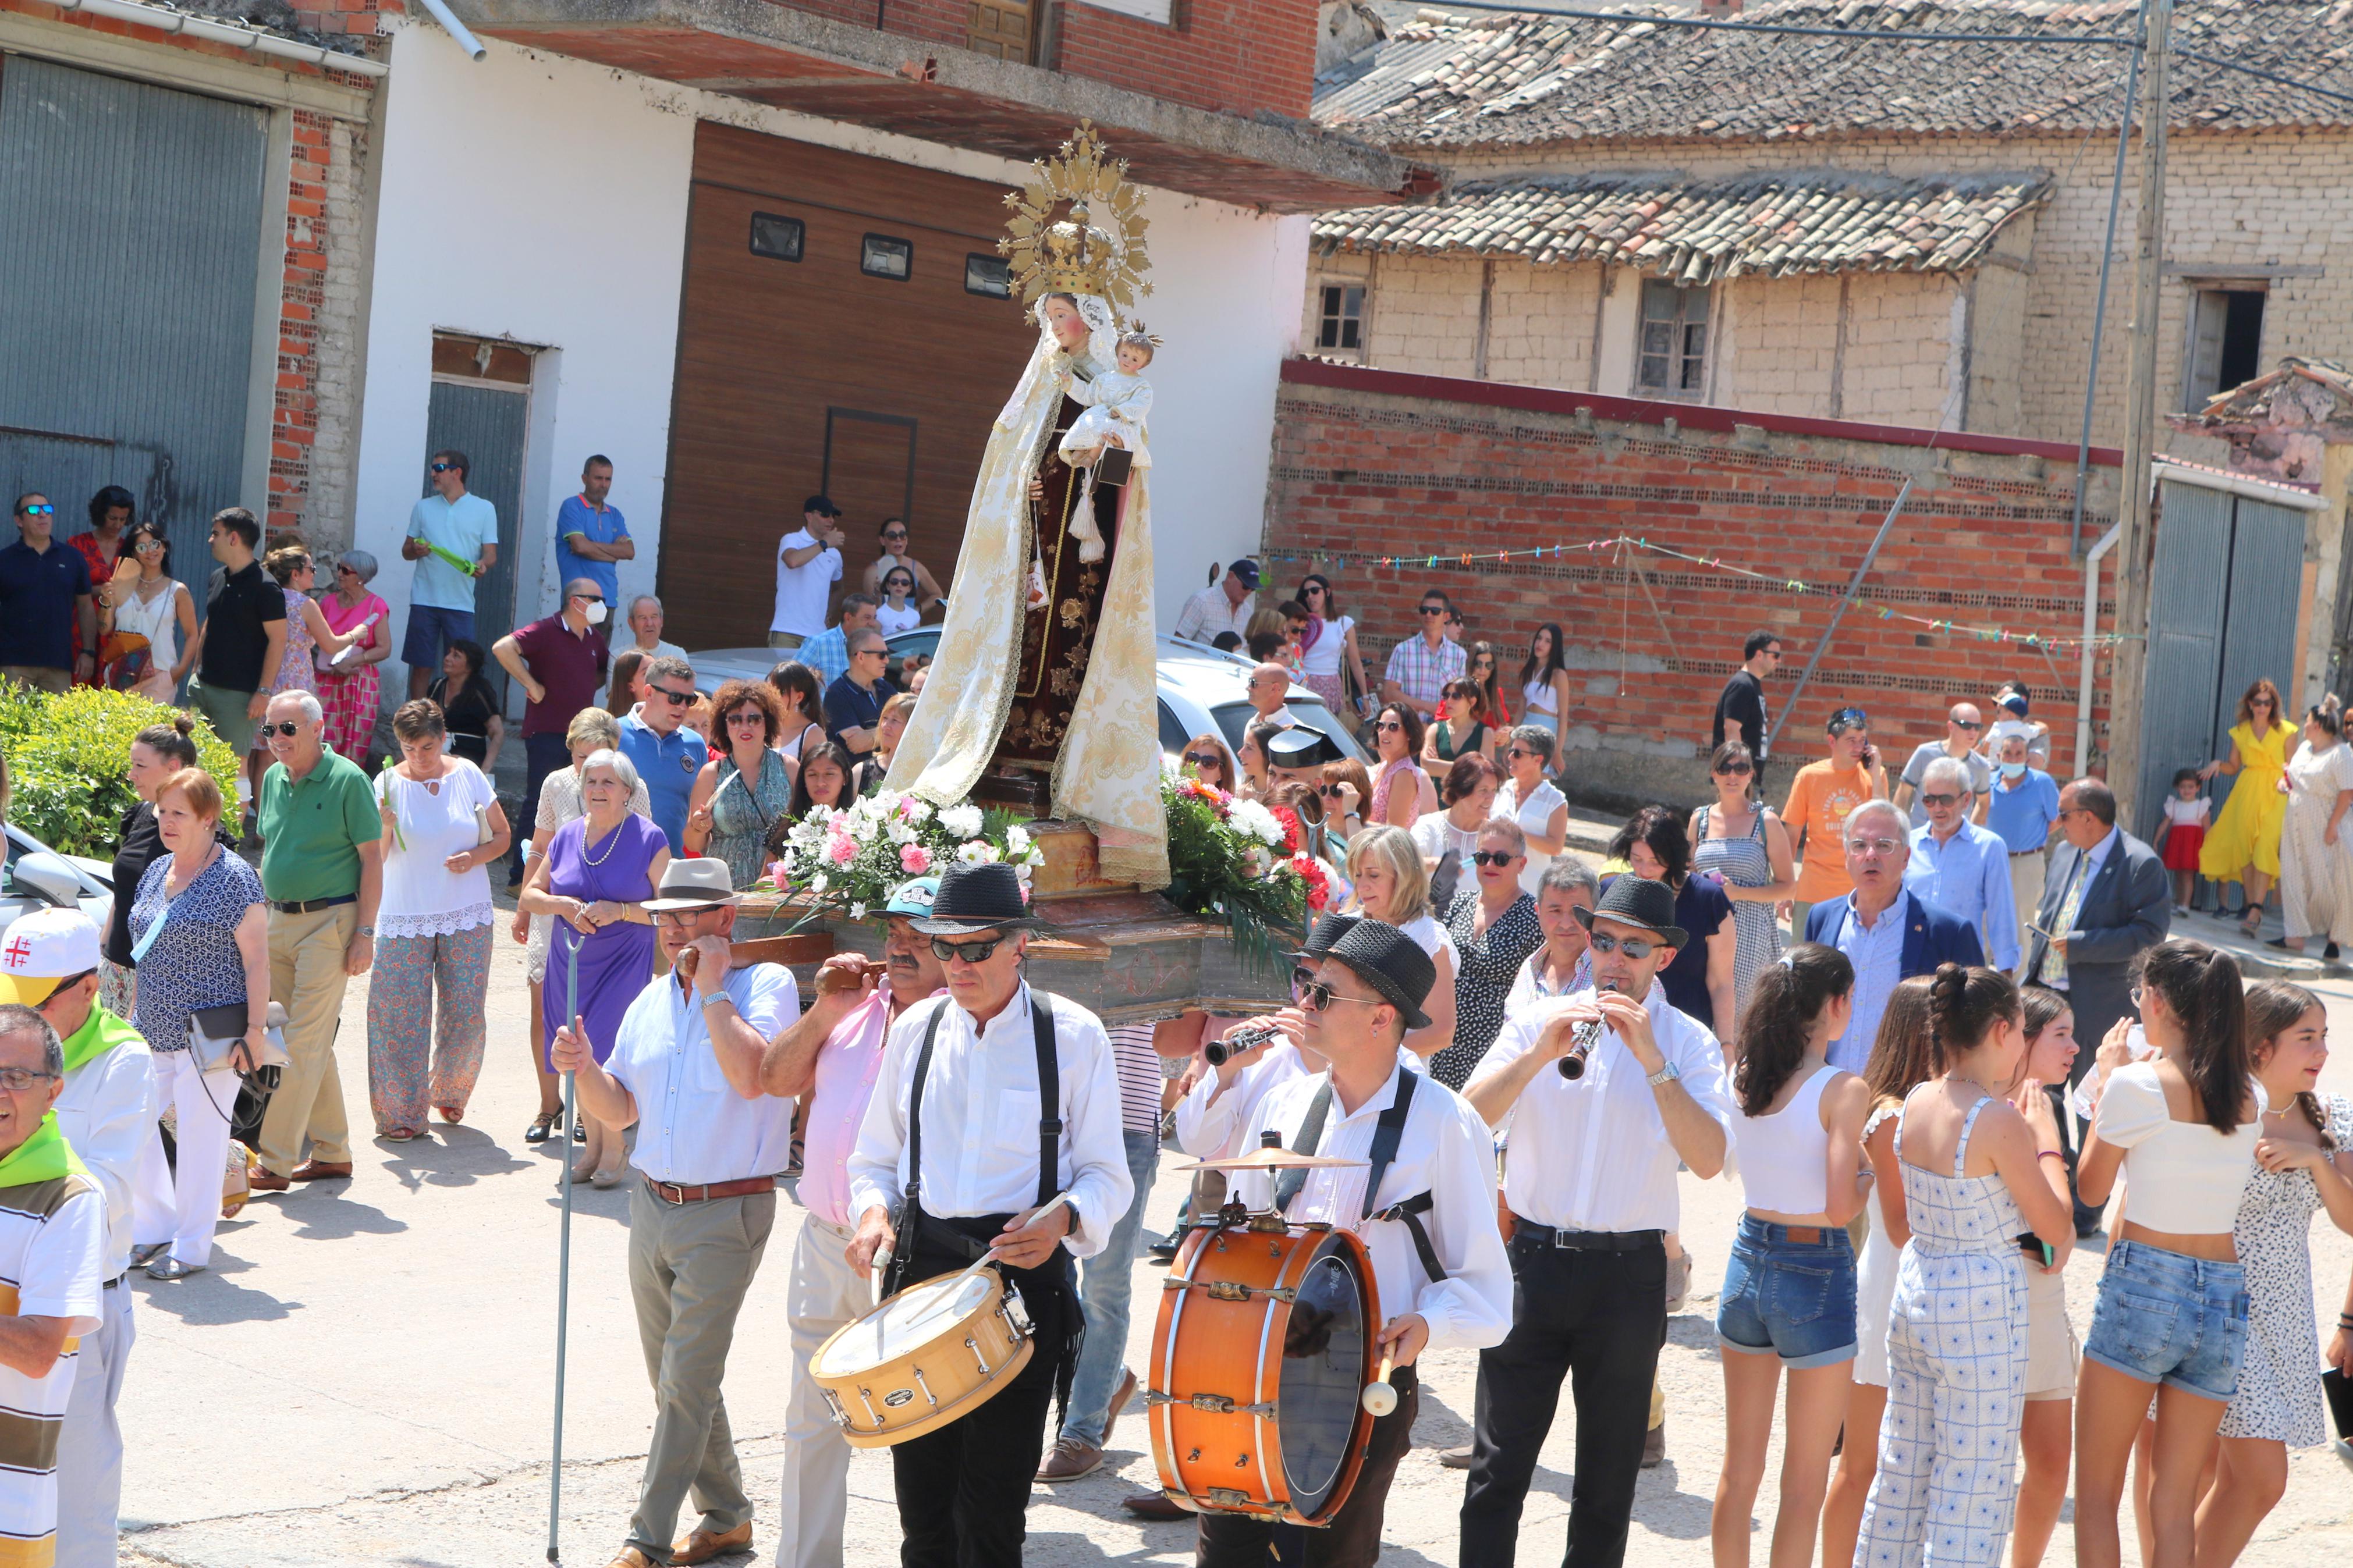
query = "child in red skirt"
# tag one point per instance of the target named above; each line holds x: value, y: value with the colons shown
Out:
x: 2185, y: 830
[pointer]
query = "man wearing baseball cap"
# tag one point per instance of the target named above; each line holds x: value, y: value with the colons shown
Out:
x: 1225, y: 606
x: 107, y: 1112
x: 830, y: 1055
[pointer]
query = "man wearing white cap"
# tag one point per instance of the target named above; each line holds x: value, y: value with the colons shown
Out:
x: 107, y: 1112
x: 685, y: 1071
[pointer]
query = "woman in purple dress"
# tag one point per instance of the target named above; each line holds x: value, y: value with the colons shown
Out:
x: 594, y: 879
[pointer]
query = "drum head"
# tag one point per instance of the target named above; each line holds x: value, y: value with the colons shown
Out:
x: 909, y: 1321
x: 1323, y: 1378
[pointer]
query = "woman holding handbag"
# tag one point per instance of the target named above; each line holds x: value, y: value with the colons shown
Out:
x: 442, y: 825
x: 200, y: 934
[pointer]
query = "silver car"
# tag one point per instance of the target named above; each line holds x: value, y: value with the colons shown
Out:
x: 39, y: 878
x: 1201, y: 690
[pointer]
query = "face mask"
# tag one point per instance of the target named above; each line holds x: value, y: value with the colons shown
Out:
x: 2013, y: 770
x: 595, y: 612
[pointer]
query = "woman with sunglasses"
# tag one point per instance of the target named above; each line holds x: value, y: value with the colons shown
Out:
x: 141, y: 600
x: 1206, y: 757
x: 899, y: 611
x: 1461, y: 729
x: 739, y: 796
x: 348, y: 691
x: 1402, y: 794
x: 1392, y: 887
x: 1743, y: 844
x: 1347, y: 789
x: 1470, y: 796
x: 1480, y: 669
x: 1494, y: 925
x: 1530, y: 799
x: 1329, y: 663
x: 1699, y: 982
x: 2244, y: 845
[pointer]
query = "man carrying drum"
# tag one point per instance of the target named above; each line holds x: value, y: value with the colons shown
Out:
x: 685, y: 1071
x: 1591, y: 1183
x: 1428, y: 1221
x: 990, y: 1101
x: 830, y: 1057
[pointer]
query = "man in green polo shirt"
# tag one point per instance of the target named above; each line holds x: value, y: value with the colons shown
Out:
x: 322, y: 871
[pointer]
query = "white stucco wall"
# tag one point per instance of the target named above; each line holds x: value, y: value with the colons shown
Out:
x: 538, y: 197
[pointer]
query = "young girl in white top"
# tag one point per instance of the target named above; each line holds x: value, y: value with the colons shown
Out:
x: 1788, y: 1290
x: 2046, y: 1438
x: 2183, y: 1128
x: 897, y: 612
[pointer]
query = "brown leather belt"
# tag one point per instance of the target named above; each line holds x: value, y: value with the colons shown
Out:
x: 672, y: 1192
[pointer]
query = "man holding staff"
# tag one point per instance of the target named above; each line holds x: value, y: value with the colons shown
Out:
x: 685, y: 1071
x: 990, y: 1101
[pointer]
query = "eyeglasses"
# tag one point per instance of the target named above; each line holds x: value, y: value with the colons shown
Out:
x: 1332, y: 792
x: 684, y: 917
x: 289, y: 729
x: 1493, y: 857
x: 1634, y: 947
x: 16, y: 1080
x: 1938, y: 800
x: 1301, y: 979
x: 1433, y: 609
x: 870, y: 653
x: 948, y: 952
x: 751, y: 716
x: 1733, y: 770
x: 584, y: 598
x: 678, y: 699
x: 443, y: 467
x: 2257, y: 702
x: 1388, y: 726
x: 41, y: 509
x: 1315, y: 997
x: 1205, y: 759
x: 894, y: 533
x: 2135, y: 993
x: 156, y: 547
x: 1873, y: 846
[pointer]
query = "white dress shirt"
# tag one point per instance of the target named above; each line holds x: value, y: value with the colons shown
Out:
x: 1212, y: 1116
x: 107, y: 1110
x: 1593, y: 1154
x: 694, y: 1128
x: 1445, y: 1151
x: 981, y: 1116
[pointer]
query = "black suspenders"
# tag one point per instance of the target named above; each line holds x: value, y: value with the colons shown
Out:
x: 1050, y: 1100
x: 1387, y: 1133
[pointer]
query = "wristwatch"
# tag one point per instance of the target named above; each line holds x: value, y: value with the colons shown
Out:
x: 715, y: 998
x: 367, y: 931
x: 1666, y: 1074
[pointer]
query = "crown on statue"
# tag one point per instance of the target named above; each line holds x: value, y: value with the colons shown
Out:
x: 1096, y: 245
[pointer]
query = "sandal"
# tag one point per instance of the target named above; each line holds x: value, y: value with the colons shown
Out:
x: 2254, y: 923
x: 541, y: 1126
x: 452, y: 1114
x: 398, y: 1134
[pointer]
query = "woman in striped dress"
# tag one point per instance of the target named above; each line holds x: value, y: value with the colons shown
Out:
x: 1744, y: 844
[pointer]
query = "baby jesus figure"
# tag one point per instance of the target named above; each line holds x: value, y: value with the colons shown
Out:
x: 1117, y: 406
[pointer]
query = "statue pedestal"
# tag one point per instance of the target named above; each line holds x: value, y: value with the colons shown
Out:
x: 1128, y: 955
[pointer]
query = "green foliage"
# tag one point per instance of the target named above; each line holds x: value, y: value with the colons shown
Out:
x: 69, y: 763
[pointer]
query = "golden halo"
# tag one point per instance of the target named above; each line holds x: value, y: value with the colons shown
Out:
x: 1078, y: 226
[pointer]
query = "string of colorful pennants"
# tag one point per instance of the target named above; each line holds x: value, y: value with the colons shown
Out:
x: 1789, y: 584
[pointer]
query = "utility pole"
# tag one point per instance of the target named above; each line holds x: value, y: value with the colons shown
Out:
x: 2129, y: 659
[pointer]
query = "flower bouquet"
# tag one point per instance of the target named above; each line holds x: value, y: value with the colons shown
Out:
x: 1241, y: 862
x: 848, y: 860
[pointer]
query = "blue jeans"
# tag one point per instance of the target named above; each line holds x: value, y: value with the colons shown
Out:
x: 1106, y: 1283
x: 2165, y: 1317
x: 1796, y: 1298
x: 431, y: 630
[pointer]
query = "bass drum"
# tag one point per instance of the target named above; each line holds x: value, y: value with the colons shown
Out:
x: 1264, y: 1344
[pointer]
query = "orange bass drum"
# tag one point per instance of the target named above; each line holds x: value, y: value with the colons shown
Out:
x: 1263, y: 1347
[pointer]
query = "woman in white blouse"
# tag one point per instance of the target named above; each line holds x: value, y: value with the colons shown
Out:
x: 1393, y: 887
x: 442, y: 825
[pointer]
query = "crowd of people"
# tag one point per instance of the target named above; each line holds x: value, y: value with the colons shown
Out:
x: 1932, y: 1020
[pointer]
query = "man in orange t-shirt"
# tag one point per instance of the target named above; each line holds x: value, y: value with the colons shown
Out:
x: 1820, y: 798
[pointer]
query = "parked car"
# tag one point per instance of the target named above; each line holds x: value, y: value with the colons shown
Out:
x: 39, y: 878
x: 1201, y: 689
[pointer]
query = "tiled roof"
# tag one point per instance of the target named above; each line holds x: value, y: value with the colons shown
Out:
x: 1517, y: 79
x: 1776, y: 224
x: 2321, y: 389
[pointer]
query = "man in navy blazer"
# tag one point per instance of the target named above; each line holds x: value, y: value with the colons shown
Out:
x: 1886, y: 931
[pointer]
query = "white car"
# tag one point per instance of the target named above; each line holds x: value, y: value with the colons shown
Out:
x: 39, y: 878
x: 1201, y: 689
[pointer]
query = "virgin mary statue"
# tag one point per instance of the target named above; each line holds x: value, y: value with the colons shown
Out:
x: 1045, y: 665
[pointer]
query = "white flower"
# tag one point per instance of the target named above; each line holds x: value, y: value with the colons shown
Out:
x: 962, y: 821
x: 1017, y: 840
x: 918, y: 811
x: 898, y: 832
x: 857, y: 912
x: 818, y: 883
x: 1254, y: 821
x: 978, y: 852
x: 886, y: 801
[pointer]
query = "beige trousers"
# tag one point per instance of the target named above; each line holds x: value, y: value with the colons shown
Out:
x: 306, y: 975
x: 825, y: 1294
x: 2026, y: 892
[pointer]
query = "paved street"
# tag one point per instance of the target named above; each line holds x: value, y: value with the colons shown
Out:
x: 364, y: 1377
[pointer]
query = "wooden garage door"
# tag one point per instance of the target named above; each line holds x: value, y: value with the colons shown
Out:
x: 825, y: 369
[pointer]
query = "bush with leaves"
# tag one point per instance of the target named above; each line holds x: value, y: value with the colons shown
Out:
x: 1241, y: 862
x: 69, y: 763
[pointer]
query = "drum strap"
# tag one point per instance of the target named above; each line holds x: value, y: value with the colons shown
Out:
x: 1387, y: 1134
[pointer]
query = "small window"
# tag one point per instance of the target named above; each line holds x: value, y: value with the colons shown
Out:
x: 776, y: 236
x: 1341, y: 323
x: 988, y: 275
x: 882, y: 256
x: 1674, y: 341
x: 2226, y: 342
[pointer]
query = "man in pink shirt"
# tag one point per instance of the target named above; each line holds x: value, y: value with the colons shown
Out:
x: 831, y: 1054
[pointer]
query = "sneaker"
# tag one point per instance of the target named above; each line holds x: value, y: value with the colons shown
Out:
x: 1654, y: 1447
x: 1069, y: 1459
x: 1456, y: 1458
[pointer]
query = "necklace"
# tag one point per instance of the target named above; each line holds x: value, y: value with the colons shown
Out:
x: 212, y: 850
x: 611, y: 841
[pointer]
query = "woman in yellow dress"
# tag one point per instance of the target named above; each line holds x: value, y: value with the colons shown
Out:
x: 2244, y: 845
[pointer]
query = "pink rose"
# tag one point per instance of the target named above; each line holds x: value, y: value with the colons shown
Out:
x: 914, y: 859
x: 841, y: 851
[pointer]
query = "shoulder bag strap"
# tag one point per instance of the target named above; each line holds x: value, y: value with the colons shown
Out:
x: 1050, y: 1096
x: 1387, y: 1135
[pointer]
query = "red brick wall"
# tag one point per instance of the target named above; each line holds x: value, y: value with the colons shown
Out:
x: 1236, y: 57
x: 933, y: 21
x: 1360, y: 475
x: 344, y: 16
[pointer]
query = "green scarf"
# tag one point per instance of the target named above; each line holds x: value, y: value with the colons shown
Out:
x: 43, y: 1157
x: 99, y: 1033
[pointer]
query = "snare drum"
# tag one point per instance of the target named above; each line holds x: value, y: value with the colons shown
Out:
x: 1260, y: 1359
x: 925, y: 1356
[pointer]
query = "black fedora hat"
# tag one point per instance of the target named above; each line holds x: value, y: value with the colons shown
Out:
x: 1392, y: 963
x: 1637, y: 901
x: 977, y: 898
x: 1299, y: 747
x: 1328, y: 929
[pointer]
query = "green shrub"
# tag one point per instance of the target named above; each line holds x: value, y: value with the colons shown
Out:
x: 69, y: 763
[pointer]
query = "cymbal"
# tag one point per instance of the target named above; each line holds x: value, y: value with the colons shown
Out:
x: 1273, y: 1160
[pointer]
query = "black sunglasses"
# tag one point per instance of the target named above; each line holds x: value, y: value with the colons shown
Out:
x: 948, y: 952
x: 1205, y: 759
x: 1388, y: 725
x: 1493, y: 857
x: 1966, y: 723
x: 289, y: 729
x: 1315, y: 997
x: 1634, y: 947
x: 1433, y: 609
x: 1735, y: 768
x: 1939, y: 800
x: 678, y: 699
x: 443, y: 467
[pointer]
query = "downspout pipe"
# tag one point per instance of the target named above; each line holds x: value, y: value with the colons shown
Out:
x: 2106, y: 542
x: 465, y: 39
x: 163, y: 20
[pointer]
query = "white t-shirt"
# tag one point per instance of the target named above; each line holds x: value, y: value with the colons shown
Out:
x: 891, y: 622
x: 421, y: 896
x: 1535, y: 816
x: 1324, y: 657
x: 802, y: 591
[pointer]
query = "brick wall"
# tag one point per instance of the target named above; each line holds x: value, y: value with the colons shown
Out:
x: 933, y: 21
x: 1361, y: 472
x: 1236, y: 57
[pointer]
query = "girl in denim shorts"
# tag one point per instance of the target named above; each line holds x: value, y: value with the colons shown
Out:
x: 1789, y: 1291
x: 2183, y: 1127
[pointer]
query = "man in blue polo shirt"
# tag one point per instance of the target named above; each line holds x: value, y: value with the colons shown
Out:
x: 590, y: 536
x: 2022, y: 807
x: 667, y: 757
x: 45, y: 592
x: 448, y: 523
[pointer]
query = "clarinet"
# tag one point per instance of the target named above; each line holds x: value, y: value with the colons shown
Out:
x: 1219, y: 1051
x: 1587, y: 1036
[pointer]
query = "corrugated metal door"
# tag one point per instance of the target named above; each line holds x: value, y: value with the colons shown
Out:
x: 488, y: 424
x: 130, y: 248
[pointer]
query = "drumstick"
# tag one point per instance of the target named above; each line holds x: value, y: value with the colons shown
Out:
x: 1379, y: 1397
x: 882, y: 1271
x: 947, y: 1297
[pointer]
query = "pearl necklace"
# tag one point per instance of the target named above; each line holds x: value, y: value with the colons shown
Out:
x: 611, y: 841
